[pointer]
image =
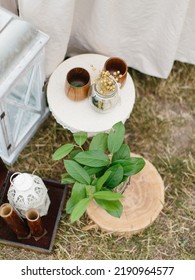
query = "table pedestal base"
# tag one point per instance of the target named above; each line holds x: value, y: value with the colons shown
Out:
x: 143, y: 200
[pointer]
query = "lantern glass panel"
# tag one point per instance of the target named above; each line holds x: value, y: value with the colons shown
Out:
x: 34, y: 99
x: 23, y: 104
x: 20, y: 120
x: 17, y: 93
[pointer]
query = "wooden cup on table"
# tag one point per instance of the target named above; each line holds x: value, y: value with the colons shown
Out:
x: 114, y: 65
x: 77, y: 84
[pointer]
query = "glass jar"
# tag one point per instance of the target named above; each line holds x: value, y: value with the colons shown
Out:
x: 103, y: 100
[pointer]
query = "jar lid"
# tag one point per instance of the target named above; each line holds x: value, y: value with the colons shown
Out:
x: 23, y: 182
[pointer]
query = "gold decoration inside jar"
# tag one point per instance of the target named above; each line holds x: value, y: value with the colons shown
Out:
x: 103, y: 94
x: 105, y: 83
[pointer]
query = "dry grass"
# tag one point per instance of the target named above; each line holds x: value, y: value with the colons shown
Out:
x: 161, y: 128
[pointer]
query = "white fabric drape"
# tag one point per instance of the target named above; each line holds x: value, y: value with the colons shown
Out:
x: 55, y: 19
x: 148, y: 34
x: 10, y: 5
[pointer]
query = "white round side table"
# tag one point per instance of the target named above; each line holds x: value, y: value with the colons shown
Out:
x: 80, y: 116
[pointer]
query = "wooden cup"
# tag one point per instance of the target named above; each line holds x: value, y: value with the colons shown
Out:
x: 114, y: 64
x: 77, y: 84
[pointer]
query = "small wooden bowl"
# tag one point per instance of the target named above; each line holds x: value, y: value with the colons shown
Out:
x: 114, y: 64
x: 77, y: 84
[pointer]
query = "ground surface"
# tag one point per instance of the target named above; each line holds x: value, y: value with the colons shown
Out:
x: 162, y: 129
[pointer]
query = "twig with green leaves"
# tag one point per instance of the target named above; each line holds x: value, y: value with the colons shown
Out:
x: 96, y: 172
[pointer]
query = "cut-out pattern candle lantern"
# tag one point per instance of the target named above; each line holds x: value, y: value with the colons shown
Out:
x: 22, y: 101
x: 28, y: 191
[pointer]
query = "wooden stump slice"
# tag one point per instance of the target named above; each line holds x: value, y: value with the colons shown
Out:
x: 143, y: 200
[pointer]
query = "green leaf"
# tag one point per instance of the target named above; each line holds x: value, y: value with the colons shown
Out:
x: 125, y: 163
x: 92, y: 158
x: 74, y: 153
x: 94, y: 181
x: 67, y: 180
x: 69, y: 206
x: 122, y: 153
x: 116, y: 176
x: 92, y: 170
x: 63, y: 151
x: 99, y: 142
x: 79, y: 209
x: 131, y: 166
x: 102, y: 180
x: 116, y: 137
x: 78, y: 192
x: 101, y: 172
x: 107, y: 195
x: 90, y: 190
x: 77, y: 172
x: 80, y: 138
x: 114, y: 208
x: 138, y: 165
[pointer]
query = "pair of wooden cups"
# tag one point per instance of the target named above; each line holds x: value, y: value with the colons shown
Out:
x: 34, y: 226
x: 78, y: 81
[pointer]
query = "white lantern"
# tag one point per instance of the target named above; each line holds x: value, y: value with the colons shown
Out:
x: 28, y: 191
x: 22, y: 101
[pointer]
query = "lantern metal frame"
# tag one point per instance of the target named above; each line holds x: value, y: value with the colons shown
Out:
x: 22, y: 99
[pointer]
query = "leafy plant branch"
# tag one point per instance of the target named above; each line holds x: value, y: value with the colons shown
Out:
x: 97, y: 171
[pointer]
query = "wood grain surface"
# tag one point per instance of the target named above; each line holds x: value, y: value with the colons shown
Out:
x: 143, y: 201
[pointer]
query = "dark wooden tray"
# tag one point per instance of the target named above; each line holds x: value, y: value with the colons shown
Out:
x: 57, y: 193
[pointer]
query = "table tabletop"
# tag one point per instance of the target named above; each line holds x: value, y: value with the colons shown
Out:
x: 80, y: 116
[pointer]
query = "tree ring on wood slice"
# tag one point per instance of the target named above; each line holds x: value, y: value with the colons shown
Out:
x: 143, y: 201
